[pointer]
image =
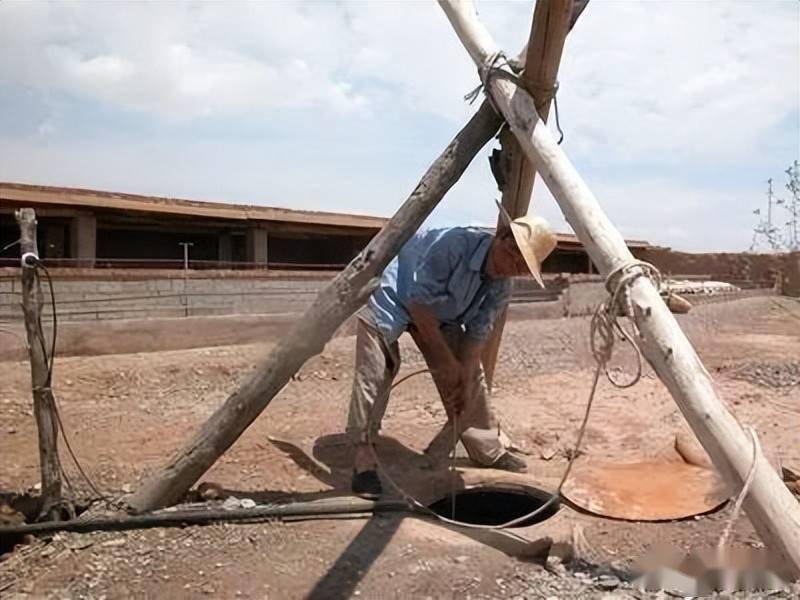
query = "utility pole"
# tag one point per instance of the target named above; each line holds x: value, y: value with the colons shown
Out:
x: 766, y: 228
x: 770, y: 231
x: 44, y: 405
x: 794, y: 203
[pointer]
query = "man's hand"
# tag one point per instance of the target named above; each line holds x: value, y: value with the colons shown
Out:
x: 458, y: 386
x: 457, y: 380
x: 449, y: 380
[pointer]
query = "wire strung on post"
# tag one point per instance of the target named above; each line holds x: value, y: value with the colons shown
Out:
x: 49, y: 357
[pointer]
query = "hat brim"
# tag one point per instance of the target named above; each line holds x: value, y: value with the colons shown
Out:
x: 518, y: 231
x: 520, y: 237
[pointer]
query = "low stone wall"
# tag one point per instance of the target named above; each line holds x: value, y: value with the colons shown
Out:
x: 94, y: 294
x: 133, y: 296
x: 98, y: 295
x: 583, y: 294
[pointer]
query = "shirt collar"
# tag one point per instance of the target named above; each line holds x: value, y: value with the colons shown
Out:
x: 478, y: 257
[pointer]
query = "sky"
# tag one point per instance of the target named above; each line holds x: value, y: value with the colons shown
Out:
x: 675, y: 112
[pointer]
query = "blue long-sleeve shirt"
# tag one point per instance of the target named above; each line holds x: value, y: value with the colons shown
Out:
x: 442, y: 269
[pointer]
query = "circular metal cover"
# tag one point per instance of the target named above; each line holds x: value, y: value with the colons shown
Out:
x: 645, y: 491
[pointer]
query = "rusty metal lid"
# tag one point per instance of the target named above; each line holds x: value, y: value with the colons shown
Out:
x: 645, y: 491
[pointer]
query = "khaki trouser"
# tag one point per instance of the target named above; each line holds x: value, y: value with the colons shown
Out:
x: 377, y: 364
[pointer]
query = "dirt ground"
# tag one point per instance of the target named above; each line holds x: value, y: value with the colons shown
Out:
x: 126, y: 413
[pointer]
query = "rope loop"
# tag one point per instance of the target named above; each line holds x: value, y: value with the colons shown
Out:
x: 605, y: 321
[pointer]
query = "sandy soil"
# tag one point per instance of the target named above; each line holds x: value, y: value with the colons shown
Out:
x: 126, y: 413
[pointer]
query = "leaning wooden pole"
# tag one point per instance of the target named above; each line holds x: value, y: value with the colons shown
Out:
x: 552, y: 21
x: 43, y: 402
x: 334, y: 304
x: 771, y: 507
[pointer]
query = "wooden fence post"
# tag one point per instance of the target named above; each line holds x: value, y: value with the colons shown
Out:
x: 43, y: 402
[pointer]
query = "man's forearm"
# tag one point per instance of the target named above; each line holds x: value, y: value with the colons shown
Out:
x: 428, y: 336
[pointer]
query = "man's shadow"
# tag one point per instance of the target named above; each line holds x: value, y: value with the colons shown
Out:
x: 420, y: 475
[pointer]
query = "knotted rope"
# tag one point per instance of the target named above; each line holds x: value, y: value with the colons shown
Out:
x: 493, y: 66
x: 605, y: 321
x: 603, y: 326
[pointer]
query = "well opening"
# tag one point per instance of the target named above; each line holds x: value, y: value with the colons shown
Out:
x: 496, y: 505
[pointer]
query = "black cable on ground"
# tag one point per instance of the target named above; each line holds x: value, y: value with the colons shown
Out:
x: 334, y: 507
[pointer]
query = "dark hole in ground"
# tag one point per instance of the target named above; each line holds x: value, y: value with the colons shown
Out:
x: 18, y: 509
x: 495, y: 506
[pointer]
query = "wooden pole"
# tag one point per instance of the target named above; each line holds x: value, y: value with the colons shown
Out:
x: 552, y: 20
x: 333, y: 305
x: 772, y: 509
x: 43, y: 402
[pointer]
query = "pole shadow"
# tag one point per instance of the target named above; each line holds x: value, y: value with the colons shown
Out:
x: 353, y: 564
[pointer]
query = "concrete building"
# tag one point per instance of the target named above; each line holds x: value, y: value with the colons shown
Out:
x: 80, y: 227
x: 89, y: 228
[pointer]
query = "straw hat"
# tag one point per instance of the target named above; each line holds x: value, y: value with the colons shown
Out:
x: 534, y: 239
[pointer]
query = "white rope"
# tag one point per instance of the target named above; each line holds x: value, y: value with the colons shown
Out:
x: 412, y: 501
x: 453, y: 471
x: 737, y: 505
x: 605, y: 321
x: 493, y: 67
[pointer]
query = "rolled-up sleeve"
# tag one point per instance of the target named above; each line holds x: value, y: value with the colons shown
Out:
x: 429, y: 286
x: 481, y: 325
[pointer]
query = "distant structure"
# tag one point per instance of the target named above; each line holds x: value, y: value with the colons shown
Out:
x: 95, y: 229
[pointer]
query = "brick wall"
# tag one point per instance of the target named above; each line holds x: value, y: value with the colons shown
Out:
x: 790, y: 285
x: 742, y: 269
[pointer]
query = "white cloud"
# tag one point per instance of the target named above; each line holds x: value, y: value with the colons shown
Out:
x: 186, y: 60
x: 679, y: 81
x: 180, y: 60
x: 661, y: 103
x: 46, y: 128
x: 704, y: 78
